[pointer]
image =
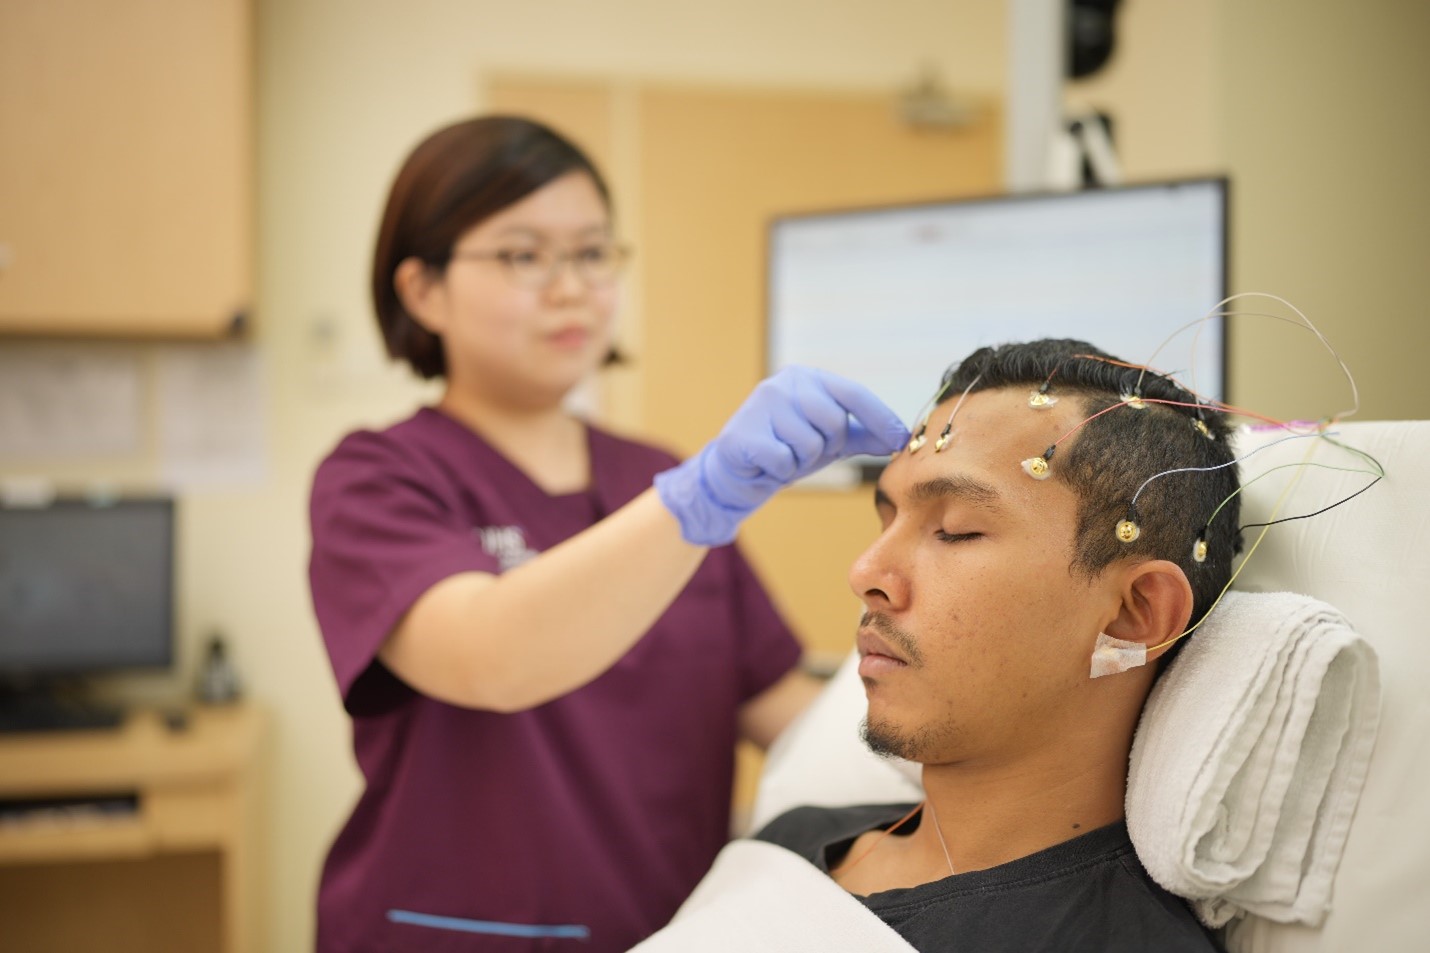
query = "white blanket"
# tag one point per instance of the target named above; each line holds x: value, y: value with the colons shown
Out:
x: 760, y: 897
x: 1250, y: 756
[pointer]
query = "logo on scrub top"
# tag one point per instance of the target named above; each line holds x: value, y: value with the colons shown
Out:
x: 506, y: 543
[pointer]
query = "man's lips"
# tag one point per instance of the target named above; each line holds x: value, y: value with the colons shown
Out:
x: 876, y: 657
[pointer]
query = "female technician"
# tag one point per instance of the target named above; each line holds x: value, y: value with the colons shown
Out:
x: 546, y: 667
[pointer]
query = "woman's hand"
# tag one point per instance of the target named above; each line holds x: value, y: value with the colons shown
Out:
x: 793, y: 424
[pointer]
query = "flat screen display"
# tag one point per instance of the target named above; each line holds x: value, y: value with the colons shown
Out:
x: 891, y: 296
x: 86, y: 588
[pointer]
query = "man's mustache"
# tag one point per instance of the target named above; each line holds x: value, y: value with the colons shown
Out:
x: 897, y: 637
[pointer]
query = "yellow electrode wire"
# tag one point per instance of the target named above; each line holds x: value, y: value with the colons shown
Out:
x: 1280, y: 502
x: 1287, y: 466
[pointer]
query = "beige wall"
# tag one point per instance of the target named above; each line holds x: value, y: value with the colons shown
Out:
x: 1319, y: 111
x: 1307, y: 105
x: 1324, y: 109
x: 1158, y: 87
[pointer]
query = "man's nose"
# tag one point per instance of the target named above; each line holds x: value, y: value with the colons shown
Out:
x: 874, y: 576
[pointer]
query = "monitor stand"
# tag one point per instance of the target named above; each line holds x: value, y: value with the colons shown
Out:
x: 41, y: 708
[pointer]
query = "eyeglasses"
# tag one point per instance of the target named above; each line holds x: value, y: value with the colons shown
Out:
x: 598, y: 264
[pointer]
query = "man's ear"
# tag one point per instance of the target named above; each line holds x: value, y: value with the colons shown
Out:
x: 1156, y: 604
x: 419, y: 287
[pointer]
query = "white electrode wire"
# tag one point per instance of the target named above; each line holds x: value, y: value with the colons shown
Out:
x: 1203, y: 321
x: 937, y: 829
x: 1230, y: 463
x: 1304, y: 322
x: 961, y: 397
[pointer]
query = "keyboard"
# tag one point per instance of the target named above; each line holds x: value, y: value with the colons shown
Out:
x: 29, y: 714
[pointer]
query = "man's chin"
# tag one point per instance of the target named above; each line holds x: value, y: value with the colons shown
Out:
x: 888, y: 740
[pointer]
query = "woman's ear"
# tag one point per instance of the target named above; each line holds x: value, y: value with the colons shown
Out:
x: 423, y: 295
x: 1156, y: 604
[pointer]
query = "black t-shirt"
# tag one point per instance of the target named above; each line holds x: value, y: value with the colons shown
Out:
x: 1087, y: 894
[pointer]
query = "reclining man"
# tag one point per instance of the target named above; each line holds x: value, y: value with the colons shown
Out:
x: 1011, y: 552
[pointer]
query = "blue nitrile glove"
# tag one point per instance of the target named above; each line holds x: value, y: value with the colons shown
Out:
x: 793, y: 424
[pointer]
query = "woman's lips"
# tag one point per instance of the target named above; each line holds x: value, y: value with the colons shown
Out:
x: 571, y: 339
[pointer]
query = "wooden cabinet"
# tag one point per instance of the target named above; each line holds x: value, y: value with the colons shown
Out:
x: 126, y: 167
x: 178, y: 871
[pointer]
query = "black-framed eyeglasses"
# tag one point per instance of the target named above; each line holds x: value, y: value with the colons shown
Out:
x: 597, y: 264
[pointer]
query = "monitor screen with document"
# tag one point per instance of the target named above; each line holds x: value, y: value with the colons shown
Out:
x: 890, y: 296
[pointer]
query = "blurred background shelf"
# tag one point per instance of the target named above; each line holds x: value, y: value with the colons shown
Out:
x: 178, y: 869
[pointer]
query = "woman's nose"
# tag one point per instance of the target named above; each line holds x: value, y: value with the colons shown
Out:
x: 565, y: 283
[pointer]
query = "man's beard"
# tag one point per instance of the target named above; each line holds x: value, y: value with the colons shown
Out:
x: 883, y: 737
x: 886, y: 740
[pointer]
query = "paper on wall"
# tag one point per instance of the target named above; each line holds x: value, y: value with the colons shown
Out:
x: 210, y: 416
x: 66, y: 404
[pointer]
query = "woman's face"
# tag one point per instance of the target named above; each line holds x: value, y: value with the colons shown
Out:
x: 509, y: 333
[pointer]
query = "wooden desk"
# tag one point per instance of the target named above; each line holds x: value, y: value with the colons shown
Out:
x: 177, y: 873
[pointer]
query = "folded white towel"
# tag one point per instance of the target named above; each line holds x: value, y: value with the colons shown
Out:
x: 761, y: 898
x: 1250, y: 756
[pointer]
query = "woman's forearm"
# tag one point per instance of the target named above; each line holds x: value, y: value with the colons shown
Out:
x: 551, y: 625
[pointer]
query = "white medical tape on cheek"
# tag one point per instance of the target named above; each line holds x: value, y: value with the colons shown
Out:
x: 1111, y: 656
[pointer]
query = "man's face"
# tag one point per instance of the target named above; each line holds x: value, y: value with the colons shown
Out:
x: 977, y: 634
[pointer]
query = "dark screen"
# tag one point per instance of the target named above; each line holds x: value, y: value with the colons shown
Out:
x: 86, y: 587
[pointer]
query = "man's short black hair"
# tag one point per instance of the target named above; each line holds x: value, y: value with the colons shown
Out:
x: 1110, y: 457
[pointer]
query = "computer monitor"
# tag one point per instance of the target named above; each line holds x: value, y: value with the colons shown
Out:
x: 890, y: 296
x: 85, y: 588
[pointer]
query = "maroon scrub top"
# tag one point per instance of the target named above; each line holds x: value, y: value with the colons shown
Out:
x: 580, y: 824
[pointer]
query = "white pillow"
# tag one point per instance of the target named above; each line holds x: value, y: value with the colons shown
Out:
x: 1370, y: 558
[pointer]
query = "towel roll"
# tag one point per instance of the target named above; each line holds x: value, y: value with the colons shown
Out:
x: 1250, y: 756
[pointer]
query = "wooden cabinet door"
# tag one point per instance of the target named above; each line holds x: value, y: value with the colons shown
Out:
x: 126, y: 170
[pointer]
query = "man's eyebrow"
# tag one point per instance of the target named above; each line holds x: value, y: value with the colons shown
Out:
x: 963, y: 488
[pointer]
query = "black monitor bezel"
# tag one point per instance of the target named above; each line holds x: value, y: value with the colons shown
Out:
x: 18, y: 674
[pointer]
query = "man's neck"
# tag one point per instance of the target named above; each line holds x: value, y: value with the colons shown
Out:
x: 989, y: 815
x: 993, y: 815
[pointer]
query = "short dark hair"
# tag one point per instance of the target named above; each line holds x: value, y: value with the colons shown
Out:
x: 1112, y: 455
x: 455, y: 178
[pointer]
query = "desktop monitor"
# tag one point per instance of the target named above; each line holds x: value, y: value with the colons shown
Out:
x: 85, y: 588
x: 890, y: 296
